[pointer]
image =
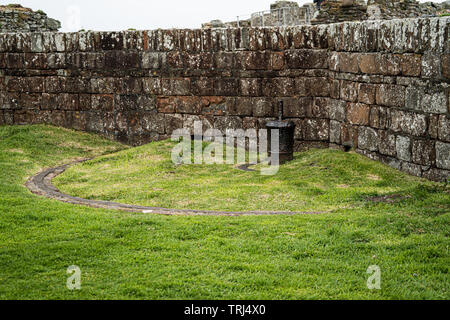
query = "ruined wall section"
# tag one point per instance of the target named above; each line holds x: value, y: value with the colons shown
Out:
x: 379, y: 87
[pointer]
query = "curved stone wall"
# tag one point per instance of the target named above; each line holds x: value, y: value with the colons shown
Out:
x: 381, y: 87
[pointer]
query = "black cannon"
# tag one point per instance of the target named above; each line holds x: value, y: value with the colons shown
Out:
x: 286, y: 135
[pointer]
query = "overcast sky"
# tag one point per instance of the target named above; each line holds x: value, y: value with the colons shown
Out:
x: 109, y: 15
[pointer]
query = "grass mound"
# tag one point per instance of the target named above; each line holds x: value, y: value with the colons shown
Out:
x: 142, y: 256
x: 316, y: 180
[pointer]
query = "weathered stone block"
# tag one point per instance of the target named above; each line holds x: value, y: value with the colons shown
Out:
x: 165, y: 105
x: 176, y: 86
x: 102, y: 102
x: 423, y: 152
x: 367, y: 93
x: 250, y: 87
x: 367, y: 139
x: 390, y: 95
x: 335, y: 132
x: 283, y: 87
x: 151, y: 85
x: 248, y: 60
x: 224, y: 60
x: 349, y: 135
x: 369, y: 63
x: 407, y: 122
x: 431, y: 65
x: 335, y: 89
x: 358, y: 113
x: 317, y: 129
x: 111, y: 41
x: 337, y: 110
x: 403, y: 148
x: 15, y: 61
x: 443, y: 155
x: 446, y: 66
x: 349, y: 91
x: 188, y: 104
x: 317, y: 87
x: 202, y: 86
x: 224, y: 123
x: 153, y: 122
x: 220, y: 106
x: 244, y: 106
x: 349, y: 62
x: 278, y: 61
x: 412, y: 169
x: 390, y: 64
x: 307, y: 59
x: 320, y: 108
x: 411, y: 64
x: 296, y: 107
x: 435, y: 174
x: 444, y: 128
x: 173, y: 122
x: 226, y: 87
x: 262, y: 107
x: 153, y: 60
x: 434, y: 102
x: 94, y: 122
x: 387, y: 143
x: 37, y: 43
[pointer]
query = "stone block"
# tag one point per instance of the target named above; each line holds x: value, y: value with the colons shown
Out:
x: 358, y: 113
x: 307, y: 59
x: 226, y: 87
x: 152, y: 85
x: 176, y: 86
x: 202, y: 86
x: 153, y: 122
x: 227, y: 122
x: 337, y: 110
x: 349, y: 91
x: 296, y: 107
x: 262, y: 107
x: 283, y: 87
x: 369, y: 63
x: 431, y: 65
x: 390, y: 95
x: 349, y: 135
x: 317, y: 129
x: 408, y: 122
x: 403, y: 148
x: 443, y: 155
x: 250, y: 87
x: 367, y: 93
x: 320, y: 108
x: 349, y: 62
x: 444, y: 128
x: 423, y: 152
x: 387, y: 143
x: 411, y: 64
x: 335, y: 132
x: 367, y: 139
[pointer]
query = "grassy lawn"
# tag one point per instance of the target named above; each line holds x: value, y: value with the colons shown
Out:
x: 143, y: 256
x: 317, y: 180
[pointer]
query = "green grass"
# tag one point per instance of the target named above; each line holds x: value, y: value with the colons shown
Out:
x: 317, y: 180
x: 142, y: 256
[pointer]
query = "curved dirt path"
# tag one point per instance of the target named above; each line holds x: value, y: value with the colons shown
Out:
x: 41, y: 184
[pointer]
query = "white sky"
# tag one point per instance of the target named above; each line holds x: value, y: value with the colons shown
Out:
x: 109, y: 15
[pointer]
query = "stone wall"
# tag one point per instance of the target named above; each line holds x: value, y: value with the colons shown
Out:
x: 15, y: 18
x: 380, y: 87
